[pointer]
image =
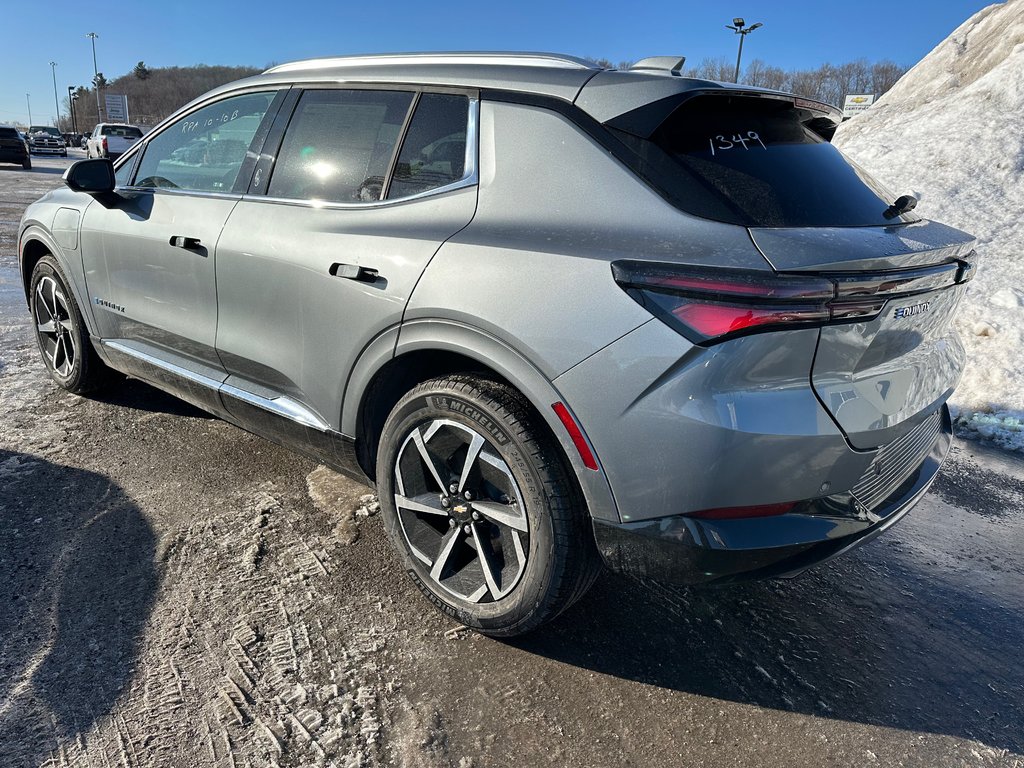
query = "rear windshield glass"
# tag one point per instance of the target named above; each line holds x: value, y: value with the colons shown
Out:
x: 754, y: 162
x: 127, y: 131
x: 9, y: 133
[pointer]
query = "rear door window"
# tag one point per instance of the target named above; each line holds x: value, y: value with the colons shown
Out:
x: 339, y: 145
x: 433, y: 153
x: 756, y: 162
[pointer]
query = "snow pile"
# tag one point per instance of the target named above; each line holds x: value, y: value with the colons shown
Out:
x: 951, y: 131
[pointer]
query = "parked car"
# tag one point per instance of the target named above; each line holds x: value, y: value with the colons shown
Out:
x: 13, y: 148
x: 555, y: 314
x: 112, y: 140
x: 46, y: 140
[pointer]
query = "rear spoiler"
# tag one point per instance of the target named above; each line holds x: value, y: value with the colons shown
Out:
x: 821, y: 118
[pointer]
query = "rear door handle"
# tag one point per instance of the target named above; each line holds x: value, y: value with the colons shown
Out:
x: 354, y: 272
x: 188, y: 243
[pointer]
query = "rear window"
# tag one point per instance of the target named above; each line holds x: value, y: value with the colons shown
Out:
x: 125, y: 131
x: 755, y: 162
x: 9, y: 133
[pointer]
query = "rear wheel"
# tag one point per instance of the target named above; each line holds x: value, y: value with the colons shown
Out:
x: 60, y: 332
x: 480, y: 505
x: 27, y: 163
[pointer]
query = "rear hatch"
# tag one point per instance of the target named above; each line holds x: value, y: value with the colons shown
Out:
x: 887, y: 355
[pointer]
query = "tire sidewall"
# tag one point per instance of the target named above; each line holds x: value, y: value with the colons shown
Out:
x: 423, y: 405
x: 47, y: 267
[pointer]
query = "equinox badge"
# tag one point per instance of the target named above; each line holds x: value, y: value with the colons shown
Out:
x: 913, y: 309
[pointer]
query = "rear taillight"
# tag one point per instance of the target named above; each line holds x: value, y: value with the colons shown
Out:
x: 712, y: 304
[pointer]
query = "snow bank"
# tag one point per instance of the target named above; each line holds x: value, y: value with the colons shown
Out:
x: 951, y: 131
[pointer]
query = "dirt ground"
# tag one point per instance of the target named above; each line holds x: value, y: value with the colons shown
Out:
x: 177, y: 592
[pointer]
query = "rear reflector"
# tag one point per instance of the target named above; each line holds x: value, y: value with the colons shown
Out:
x: 736, y: 513
x: 576, y: 435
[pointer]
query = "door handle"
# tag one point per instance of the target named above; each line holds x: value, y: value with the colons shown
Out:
x: 188, y: 243
x: 354, y: 272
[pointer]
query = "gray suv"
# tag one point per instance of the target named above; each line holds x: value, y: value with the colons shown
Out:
x: 558, y: 315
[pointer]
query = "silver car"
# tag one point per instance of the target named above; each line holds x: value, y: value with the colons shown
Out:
x: 558, y: 315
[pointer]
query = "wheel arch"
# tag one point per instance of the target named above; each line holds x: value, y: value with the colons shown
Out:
x: 426, y: 349
x: 36, y: 242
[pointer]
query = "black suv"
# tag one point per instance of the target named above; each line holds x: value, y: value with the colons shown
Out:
x: 13, y: 148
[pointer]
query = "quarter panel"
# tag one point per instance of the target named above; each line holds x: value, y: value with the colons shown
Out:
x: 533, y: 268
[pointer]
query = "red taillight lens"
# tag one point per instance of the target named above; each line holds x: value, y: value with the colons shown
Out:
x: 738, y: 513
x: 104, y: 143
x: 711, y: 304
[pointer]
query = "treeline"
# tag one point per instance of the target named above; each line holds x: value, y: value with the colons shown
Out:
x: 829, y: 82
x: 152, y: 93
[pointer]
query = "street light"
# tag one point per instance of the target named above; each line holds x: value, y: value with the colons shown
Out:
x: 28, y: 101
x: 738, y: 27
x: 72, y: 98
x: 95, y: 76
x: 56, y: 102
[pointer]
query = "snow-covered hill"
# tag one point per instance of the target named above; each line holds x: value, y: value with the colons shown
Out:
x: 951, y: 131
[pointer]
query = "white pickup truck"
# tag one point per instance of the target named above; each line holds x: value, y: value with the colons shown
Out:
x: 112, y: 140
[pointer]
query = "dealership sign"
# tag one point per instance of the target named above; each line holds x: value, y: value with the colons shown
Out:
x: 117, y: 108
x: 856, y: 103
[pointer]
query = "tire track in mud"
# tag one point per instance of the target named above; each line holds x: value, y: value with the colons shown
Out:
x: 247, y: 661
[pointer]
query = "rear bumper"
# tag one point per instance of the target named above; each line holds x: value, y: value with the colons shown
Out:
x: 686, y: 550
x: 12, y: 155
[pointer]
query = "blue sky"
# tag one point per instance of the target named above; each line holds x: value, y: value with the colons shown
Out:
x: 797, y: 33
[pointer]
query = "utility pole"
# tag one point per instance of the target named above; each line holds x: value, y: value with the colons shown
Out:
x: 56, y: 101
x: 28, y: 101
x: 738, y: 28
x: 95, y: 77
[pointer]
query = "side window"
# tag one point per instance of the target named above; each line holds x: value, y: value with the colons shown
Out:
x: 204, y: 151
x: 434, y: 151
x: 339, y: 144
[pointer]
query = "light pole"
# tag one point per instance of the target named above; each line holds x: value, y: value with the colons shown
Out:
x: 56, y: 101
x: 28, y: 101
x: 738, y: 28
x: 72, y: 97
x: 95, y: 77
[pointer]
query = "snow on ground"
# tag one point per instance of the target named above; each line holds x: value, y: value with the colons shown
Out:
x: 950, y: 132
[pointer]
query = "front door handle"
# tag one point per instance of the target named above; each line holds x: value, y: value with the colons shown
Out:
x: 188, y: 243
x: 354, y: 272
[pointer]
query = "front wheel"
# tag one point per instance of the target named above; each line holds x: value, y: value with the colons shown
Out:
x: 480, y: 504
x: 61, y: 333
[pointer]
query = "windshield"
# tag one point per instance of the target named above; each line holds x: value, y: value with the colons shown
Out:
x: 44, y: 129
x: 755, y: 162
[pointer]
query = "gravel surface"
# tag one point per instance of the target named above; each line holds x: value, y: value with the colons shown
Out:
x: 177, y: 592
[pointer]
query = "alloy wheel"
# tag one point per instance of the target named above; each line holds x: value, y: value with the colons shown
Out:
x: 461, y: 511
x: 53, y: 325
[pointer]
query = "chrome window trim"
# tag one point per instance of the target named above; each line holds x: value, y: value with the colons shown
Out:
x: 281, y: 406
x: 470, y: 175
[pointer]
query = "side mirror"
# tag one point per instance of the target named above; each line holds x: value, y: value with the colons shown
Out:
x: 94, y: 177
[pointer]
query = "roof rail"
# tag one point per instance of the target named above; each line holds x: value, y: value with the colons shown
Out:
x: 520, y: 59
x: 670, y: 64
